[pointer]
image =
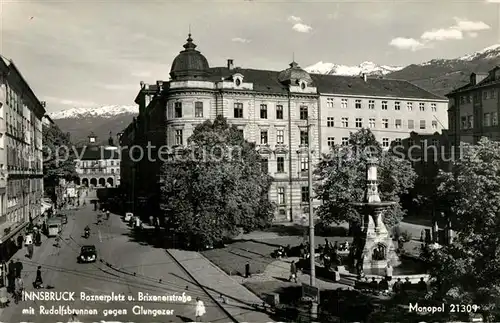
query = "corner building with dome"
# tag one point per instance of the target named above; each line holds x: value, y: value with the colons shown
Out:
x: 271, y: 108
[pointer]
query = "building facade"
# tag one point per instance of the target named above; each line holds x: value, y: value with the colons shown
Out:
x: 474, y: 108
x: 98, y: 166
x: 391, y: 109
x: 21, y: 171
x: 283, y: 112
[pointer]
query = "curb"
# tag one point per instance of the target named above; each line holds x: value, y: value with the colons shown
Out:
x: 203, y: 287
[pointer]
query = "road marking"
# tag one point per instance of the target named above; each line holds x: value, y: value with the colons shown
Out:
x: 100, y: 235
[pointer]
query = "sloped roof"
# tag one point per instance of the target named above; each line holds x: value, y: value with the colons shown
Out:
x: 97, y: 153
x: 267, y: 81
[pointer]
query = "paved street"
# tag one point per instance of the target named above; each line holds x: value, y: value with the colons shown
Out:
x: 136, y: 268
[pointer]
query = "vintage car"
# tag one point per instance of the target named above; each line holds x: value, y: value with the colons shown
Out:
x: 87, y: 254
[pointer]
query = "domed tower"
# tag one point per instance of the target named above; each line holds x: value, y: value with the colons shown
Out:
x: 190, y: 64
x: 295, y: 76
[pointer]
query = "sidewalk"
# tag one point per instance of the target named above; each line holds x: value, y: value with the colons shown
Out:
x: 240, y: 301
x: 30, y: 265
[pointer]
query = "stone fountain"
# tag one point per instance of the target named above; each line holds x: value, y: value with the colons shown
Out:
x: 376, y: 249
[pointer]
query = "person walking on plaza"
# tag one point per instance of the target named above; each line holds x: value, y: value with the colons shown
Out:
x: 38, y: 279
x: 293, y: 272
x: 18, y: 289
x: 19, y: 268
x: 200, y: 309
x: 11, y: 276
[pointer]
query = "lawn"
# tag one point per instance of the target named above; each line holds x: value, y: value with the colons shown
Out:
x: 233, y: 258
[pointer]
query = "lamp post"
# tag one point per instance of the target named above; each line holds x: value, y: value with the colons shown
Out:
x: 312, y: 257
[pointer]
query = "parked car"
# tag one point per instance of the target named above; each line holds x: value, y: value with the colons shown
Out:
x: 87, y: 254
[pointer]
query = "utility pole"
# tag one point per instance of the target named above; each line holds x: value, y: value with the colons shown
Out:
x: 312, y: 257
x: 311, y: 211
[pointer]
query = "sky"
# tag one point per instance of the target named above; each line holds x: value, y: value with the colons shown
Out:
x: 87, y: 53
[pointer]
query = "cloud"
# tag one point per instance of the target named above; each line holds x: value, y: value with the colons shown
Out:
x: 294, y: 19
x: 406, y: 43
x: 240, y: 40
x: 467, y: 25
x: 492, y: 1
x: 302, y: 28
x: 442, y: 34
x: 458, y: 31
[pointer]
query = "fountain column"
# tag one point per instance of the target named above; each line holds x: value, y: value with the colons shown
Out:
x: 378, y: 250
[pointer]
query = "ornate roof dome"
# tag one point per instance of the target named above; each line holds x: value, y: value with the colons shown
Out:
x: 189, y: 64
x: 293, y: 74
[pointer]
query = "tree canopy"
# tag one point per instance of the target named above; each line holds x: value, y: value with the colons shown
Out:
x: 215, y: 185
x: 58, y: 156
x: 468, y: 271
x: 342, y: 179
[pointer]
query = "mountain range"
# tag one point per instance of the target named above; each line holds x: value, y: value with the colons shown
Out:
x: 439, y: 76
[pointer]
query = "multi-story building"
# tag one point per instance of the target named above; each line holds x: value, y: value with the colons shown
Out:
x: 274, y: 109
x: 21, y: 171
x: 391, y: 109
x: 98, y: 165
x: 474, y: 108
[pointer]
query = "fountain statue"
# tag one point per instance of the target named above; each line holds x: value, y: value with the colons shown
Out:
x: 377, y: 247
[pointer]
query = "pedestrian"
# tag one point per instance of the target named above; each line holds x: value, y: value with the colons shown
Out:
x: 11, y: 276
x: 19, y: 268
x: 30, y: 250
x: 38, y: 279
x: 73, y: 318
x: 18, y: 289
x: 293, y: 272
x: 200, y: 309
x: 388, y: 272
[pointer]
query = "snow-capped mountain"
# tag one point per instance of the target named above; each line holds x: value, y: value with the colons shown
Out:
x: 107, y: 111
x: 368, y: 68
x: 490, y: 52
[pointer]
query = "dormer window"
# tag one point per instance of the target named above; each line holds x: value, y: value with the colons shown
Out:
x: 238, y: 79
x: 302, y: 84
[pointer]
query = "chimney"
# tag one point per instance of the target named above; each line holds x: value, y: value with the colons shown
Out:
x: 365, y: 77
x: 159, y: 85
x: 43, y: 103
x: 230, y: 64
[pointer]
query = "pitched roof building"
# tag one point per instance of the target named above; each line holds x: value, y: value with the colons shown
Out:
x: 97, y: 165
x: 474, y: 108
x: 274, y: 109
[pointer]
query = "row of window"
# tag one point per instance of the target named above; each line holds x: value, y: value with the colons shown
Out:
x: 94, y: 163
x: 384, y: 105
x: 385, y: 142
x: 398, y: 123
x: 487, y: 95
x: 280, y: 164
x: 489, y: 119
x: 304, y: 193
x: 95, y: 170
x: 264, y: 137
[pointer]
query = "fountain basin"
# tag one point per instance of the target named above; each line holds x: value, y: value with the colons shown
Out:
x: 374, y: 204
x: 409, y: 267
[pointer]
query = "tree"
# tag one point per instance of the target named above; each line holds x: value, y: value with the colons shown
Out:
x: 58, y: 157
x: 468, y: 271
x: 342, y: 180
x: 215, y: 186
